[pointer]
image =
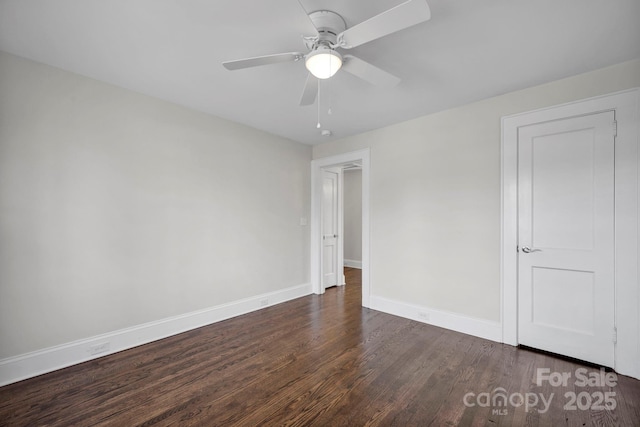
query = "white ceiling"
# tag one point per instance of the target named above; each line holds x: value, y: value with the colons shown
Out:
x: 173, y: 50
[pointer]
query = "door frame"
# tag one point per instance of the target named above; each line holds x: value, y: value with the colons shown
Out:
x: 625, y: 104
x: 317, y: 165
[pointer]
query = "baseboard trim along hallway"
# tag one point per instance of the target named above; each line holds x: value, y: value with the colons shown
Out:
x: 353, y: 263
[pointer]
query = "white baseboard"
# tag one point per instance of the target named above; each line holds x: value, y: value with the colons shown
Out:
x: 14, y: 369
x: 353, y: 263
x: 467, y: 325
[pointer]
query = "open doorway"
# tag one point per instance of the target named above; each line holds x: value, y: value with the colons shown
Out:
x: 352, y: 215
x: 357, y: 160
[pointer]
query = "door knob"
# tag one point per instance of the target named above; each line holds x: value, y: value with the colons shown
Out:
x: 528, y: 250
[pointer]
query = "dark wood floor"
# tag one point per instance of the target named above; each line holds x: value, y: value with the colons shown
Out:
x: 317, y: 360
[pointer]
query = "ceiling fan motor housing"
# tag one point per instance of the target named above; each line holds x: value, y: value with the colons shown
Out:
x: 329, y: 24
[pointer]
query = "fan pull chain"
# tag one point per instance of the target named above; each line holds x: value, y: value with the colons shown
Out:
x: 318, y: 125
x: 329, y: 112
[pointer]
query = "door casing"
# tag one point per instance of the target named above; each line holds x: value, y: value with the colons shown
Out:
x: 627, y: 185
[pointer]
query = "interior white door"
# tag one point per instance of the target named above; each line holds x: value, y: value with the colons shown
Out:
x: 566, y: 237
x: 330, y: 263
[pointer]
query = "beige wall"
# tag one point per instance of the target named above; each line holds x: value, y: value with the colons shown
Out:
x: 118, y: 209
x: 352, y: 214
x: 435, y: 195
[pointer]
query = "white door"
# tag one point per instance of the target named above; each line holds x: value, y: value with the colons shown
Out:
x: 330, y: 263
x: 566, y: 237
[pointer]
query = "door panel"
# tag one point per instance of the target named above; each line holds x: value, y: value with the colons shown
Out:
x: 329, y: 228
x: 566, y: 214
x: 560, y: 297
x: 563, y: 172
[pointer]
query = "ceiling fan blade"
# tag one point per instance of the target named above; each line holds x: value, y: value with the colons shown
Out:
x: 368, y: 72
x: 263, y: 60
x: 398, y: 18
x: 310, y: 91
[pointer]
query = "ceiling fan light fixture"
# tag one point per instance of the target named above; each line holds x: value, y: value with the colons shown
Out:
x: 323, y: 62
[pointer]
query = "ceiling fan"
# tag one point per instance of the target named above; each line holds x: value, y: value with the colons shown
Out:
x: 323, y: 59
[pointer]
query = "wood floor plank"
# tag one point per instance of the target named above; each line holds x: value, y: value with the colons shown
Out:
x: 318, y: 360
